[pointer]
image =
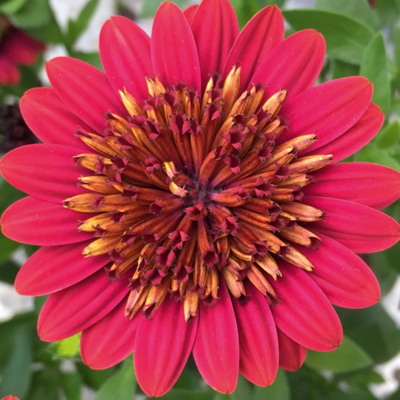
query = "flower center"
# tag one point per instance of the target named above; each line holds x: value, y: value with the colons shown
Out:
x: 187, y: 191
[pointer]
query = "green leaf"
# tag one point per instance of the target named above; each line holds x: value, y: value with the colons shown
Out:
x: 389, y: 135
x: 66, y: 348
x: 347, y: 357
x: 359, y: 10
x: 341, y: 69
x: 243, y: 389
x: 121, y: 385
x: 77, y: 27
x: 90, y: 58
x: 374, y: 67
x: 32, y: 14
x: 8, y: 269
x: 72, y: 385
x: 149, y: 8
x: 17, y: 372
x: 11, y: 6
x: 183, y: 394
x: 279, y: 390
x: 375, y: 155
x: 345, y: 37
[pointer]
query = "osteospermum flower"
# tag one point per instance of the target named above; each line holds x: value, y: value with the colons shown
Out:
x: 16, y: 48
x: 189, y: 199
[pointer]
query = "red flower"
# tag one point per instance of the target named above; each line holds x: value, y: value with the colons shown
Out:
x: 16, y: 48
x: 212, y: 197
x: 10, y: 397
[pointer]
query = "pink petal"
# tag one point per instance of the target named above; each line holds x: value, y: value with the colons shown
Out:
x: 125, y: 55
x: 162, y: 347
x: 291, y: 354
x: 9, y: 73
x: 45, y: 171
x: 84, y: 90
x: 21, y: 48
x: 41, y: 223
x: 109, y: 340
x: 190, y: 12
x: 53, y: 268
x: 293, y: 65
x: 257, y: 39
x: 78, y: 307
x: 358, y: 227
x: 346, y: 280
x: 259, y: 355
x: 303, y: 312
x: 355, y: 182
x: 327, y: 110
x: 215, y: 28
x: 48, y: 118
x: 216, y: 349
x: 356, y: 137
x: 173, y: 48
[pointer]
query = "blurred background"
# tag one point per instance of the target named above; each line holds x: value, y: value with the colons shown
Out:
x: 363, y: 38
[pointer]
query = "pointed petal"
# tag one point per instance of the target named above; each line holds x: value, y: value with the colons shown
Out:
x: 109, y: 340
x: 78, y: 307
x: 50, y: 120
x: 346, y: 280
x: 215, y: 28
x: 358, y: 227
x: 259, y: 355
x: 291, y: 354
x: 84, y: 90
x: 216, y: 353
x: 303, y: 312
x: 327, y: 110
x: 162, y: 347
x: 45, y: 171
x: 257, y: 39
x: 190, y: 12
x: 125, y: 55
x: 356, y: 181
x: 293, y: 65
x: 173, y: 48
x: 356, y: 137
x: 41, y: 223
x: 53, y: 268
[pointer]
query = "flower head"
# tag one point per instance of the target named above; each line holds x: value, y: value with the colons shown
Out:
x: 16, y: 48
x: 189, y: 200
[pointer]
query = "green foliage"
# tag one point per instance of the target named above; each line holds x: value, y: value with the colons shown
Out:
x: 278, y: 390
x: 347, y: 357
x: 345, y: 37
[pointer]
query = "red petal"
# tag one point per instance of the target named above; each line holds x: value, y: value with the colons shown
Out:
x: 53, y: 268
x: 358, y: 227
x: 303, y: 312
x: 327, y: 110
x: 45, y: 171
x: 293, y: 65
x: 162, y: 347
x: 109, y: 340
x: 85, y: 90
x: 215, y: 28
x: 355, y: 182
x: 346, y: 280
x: 125, y: 55
x: 173, y: 48
x: 9, y: 73
x: 41, y: 223
x: 259, y: 355
x: 356, y: 137
x: 216, y: 349
x: 48, y: 118
x: 78, y: 307
x: 291, y: 354
x: 260, y: 35
x: 190, y: 12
